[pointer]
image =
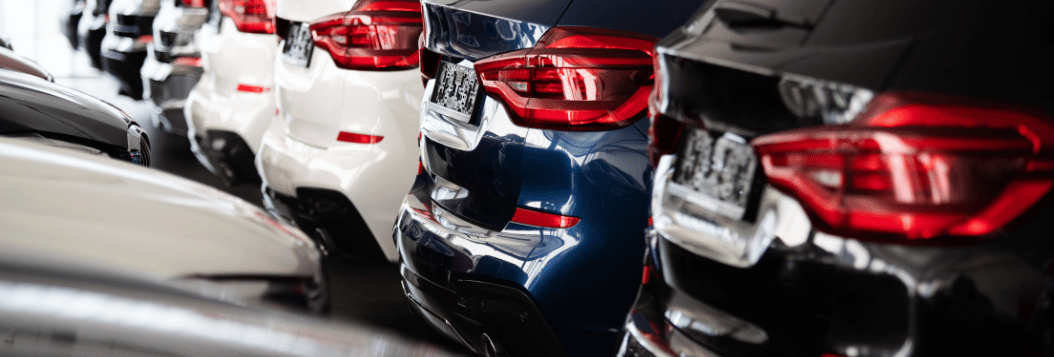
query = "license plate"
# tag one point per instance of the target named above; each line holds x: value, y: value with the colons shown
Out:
x: 720, y: 169
x: 455, y: 91
x: 298, y: 45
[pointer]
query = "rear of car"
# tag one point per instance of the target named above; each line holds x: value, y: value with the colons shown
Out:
x: 341, y: 151
x: 523, y: 231
x: 233, y: 104
x: 863, y: 178
x: 91, y: 29
x: 70, y: 19
x: 173, y: 64
x: 124, y: 48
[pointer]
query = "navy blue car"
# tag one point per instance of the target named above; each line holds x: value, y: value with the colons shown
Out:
x: 523, y: 233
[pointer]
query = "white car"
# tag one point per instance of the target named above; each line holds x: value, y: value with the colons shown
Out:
x: 86, y: 211
x: 233, y: 104
x: 342, y: 152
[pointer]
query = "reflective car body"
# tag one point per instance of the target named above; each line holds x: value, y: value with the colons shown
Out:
x: 12, y: 61
x: 529, y: 239
x: 124, y: 48
x: 34, y: 109
x: 233, y: 104
x: 76, y: 210
x: 344, y: 139
x: 92, y: 28
x: 173, y: 64
x: 901, y: 256
x: 51, y: 311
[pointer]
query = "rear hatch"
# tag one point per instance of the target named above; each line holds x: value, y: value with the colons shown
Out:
x: 477, y: 159
x: 743, y: 69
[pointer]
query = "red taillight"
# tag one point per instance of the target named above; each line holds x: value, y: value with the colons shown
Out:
x: 189, y: 61
x: 574, y: 78
x: 252, y: 16
x: 145, y: 39
x: 374, y: 35
x: 358, y: 138
x: 194, y: 3
x: 531, y: 217
x: 252, y: 89
x: 916, y: 169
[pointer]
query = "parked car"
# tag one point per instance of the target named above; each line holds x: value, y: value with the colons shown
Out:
x: 74, y: 209
x: 232, y: 105
x: 860, y: 178
x: 523, y: 233
x: 33, y: 109
x: 70, y: 19
x: 92, y: 28
x: 126, y: 41
x: 173, y: 65
x: 341, y: 155
x: 62, y: 311
x: 12, y: 61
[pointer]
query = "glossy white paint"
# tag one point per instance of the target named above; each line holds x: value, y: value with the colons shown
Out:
x: 316, y: 103
x: 232, y: 58
x: 83, y: 211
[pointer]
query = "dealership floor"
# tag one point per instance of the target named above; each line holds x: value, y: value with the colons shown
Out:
x: 362, y: 291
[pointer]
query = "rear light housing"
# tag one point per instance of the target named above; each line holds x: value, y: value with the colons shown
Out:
x: 189, y: 61
x: 535, y: 218
x: 916, y: 168
x: 376, y: 35
x: 574, y: 78
x: 251, y: 16
x: 663, y: 136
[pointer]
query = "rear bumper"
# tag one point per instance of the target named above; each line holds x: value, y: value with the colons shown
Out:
x: 328, y: 217
x: 167, y: 86
x: 123, y: 57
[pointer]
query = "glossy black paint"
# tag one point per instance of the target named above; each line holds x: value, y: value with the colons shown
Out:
x: 459, y: 32
x: 838, y: 295
x: 11, y: 61
x: 31, y: 105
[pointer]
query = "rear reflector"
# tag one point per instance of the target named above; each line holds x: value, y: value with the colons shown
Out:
x: 541, y: 219
x: 916, y: 169
x: 379, y: 35
x: 252, y: 16
x: 189, y: 61
x: 358, y: 138
x: 194, y: 3
x: 574, y: 78
x: 252, y: 89
x: 145, y: 39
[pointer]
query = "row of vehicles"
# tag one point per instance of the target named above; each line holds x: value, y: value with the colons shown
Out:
x: 97, y: 258
x: 743, y: 177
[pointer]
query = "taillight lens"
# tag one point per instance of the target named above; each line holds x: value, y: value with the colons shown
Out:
x: 194, y: 3
x: 574, y: 78
x: 379, y: 35
x: 535, y: 218
x: 916, y: 169
x: 252, y: 16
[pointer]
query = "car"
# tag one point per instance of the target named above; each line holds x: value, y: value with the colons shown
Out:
x: 12, y: 61
x: 69, y: 19
x: 124, y: 47
x: 71, y: 311
x: 37, y: 110
x: 233, y: 104
x: 341, y: 154
x: 92, y: 28
x: 861, y: 178
x: 523, y: 232
x: 173, y: 64
x: 79, y: 210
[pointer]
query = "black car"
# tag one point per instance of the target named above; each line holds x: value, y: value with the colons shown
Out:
x: 124, y: 48
x: 173, y: 64
x: 70, y: 19
x: 852, y: 178
x: 37, y: 110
